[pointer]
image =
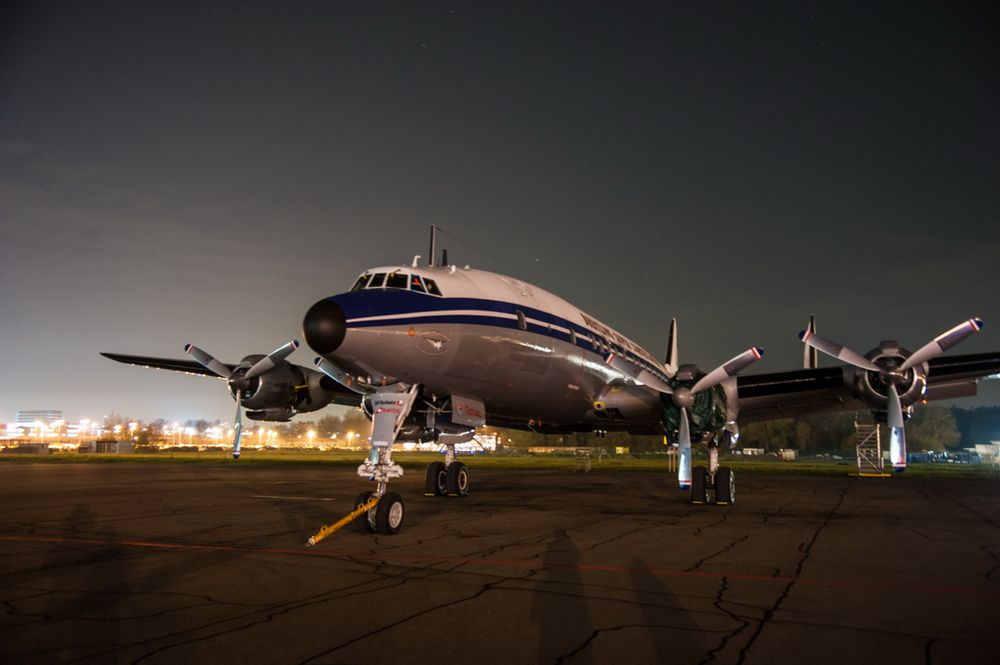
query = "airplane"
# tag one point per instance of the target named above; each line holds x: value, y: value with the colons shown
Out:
x: 431, y: 352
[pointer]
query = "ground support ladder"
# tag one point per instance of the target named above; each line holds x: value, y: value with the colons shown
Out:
x: 870, y: 461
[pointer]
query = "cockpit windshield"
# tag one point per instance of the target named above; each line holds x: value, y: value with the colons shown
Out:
x: 397, y: 280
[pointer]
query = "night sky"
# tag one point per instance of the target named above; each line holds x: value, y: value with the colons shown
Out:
x: 203, y: 173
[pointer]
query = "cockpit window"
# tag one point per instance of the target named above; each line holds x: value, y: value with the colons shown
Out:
x: 377, y: 281
x: 432, y: 287
x: 416, y: 284
x: 396, y: 280
x: 360, y: 284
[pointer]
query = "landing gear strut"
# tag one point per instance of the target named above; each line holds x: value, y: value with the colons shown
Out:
x: 714, y: 485
x: 390, y: 407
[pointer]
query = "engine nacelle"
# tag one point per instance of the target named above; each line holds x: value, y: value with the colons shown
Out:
x: 283, y: 391
x: 281, y: 414
x: 271, y: 390
x: 708, y: 413
x: 873, y: 387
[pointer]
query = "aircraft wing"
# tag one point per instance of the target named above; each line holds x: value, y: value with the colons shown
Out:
x: 805, y: 391
x: 187, y: 366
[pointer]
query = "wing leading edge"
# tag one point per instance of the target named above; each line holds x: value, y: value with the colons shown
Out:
x: 186, y: 366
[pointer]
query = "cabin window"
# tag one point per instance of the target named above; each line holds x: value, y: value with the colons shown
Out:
x: 377, y: 281
x: 360, y: 284
x: 432, y: 287
x: 522, y: 320
x: 416, y: 284
x: 396, y: 280
x: 572, y: 337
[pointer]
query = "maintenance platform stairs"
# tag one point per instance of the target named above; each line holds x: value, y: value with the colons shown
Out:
x: 871, y: 464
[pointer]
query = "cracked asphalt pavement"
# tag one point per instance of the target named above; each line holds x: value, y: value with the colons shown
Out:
x: 130, y: 563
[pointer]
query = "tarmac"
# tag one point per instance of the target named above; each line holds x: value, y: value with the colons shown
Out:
x: 204, y: 563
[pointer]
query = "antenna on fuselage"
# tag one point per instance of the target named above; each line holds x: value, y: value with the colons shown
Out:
x: 430, y: 257
x: 444, y: 258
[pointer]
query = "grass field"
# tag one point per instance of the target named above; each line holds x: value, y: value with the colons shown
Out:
x: 418, y: 461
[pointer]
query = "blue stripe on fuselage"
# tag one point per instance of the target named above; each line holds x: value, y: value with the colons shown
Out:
x: 435, y: 309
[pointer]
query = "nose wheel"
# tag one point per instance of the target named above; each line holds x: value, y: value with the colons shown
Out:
x: 385, y: 518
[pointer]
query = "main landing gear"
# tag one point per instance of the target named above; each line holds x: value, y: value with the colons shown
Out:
x: 714, y: 485
x: 448, y: 478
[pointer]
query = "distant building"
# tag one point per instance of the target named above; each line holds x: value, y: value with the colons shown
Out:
x: 47, y: 416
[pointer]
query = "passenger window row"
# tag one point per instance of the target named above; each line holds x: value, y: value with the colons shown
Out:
x: 397, y: 280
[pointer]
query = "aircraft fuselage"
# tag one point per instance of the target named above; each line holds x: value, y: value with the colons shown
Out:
x: 532, y: 358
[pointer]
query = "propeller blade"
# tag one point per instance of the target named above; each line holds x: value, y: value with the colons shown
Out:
x: 942, y: 343
x: 237, y: 428
x: 810, y: 360
x: 640, y: 374
x: 684, y: 452
x: 268, y: 362
x: 340, y: 376
x: 672, y: 362
x: 729, y: 369
x: 837, y: 351
x: 207, y: 361
x: 897, y: 432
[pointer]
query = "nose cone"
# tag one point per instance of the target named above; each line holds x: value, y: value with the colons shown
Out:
x: 324, y: 327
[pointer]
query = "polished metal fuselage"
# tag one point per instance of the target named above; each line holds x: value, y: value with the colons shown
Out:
x: 533, y: 359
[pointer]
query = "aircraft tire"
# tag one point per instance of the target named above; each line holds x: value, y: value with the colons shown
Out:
x: 725, y: 486
x: 389, y: 514
x: 363, y: 523
x: 699, y: 482
x: 436, y: 482
x: 458, y: 479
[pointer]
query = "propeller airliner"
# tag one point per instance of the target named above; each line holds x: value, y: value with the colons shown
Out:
x: 431, y: 352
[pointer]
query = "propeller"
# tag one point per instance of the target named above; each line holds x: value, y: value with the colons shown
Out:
x: 892, y: 375
x: 239, y: 380
x: 342, y: 377
x: 637, y: 373
x: 683, y: 397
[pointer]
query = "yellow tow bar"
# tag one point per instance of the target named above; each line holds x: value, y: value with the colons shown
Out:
x: 343, y: 521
